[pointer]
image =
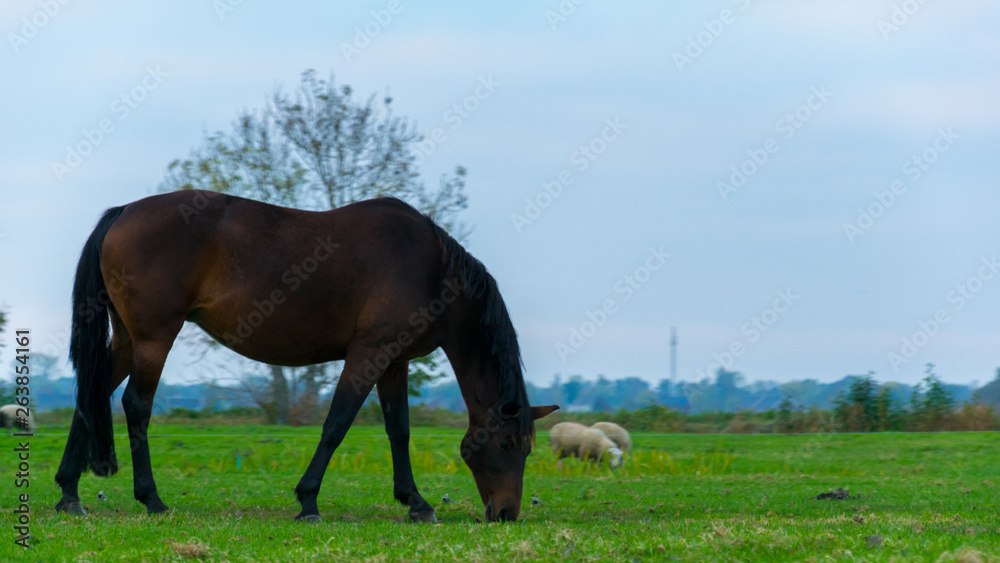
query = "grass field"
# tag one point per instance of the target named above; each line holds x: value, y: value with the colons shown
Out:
x: 917, y: 497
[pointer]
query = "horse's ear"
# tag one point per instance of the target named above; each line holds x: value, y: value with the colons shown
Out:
x: 542, y: 412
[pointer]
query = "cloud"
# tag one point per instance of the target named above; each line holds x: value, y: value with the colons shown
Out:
x: 835, y: 18
x: 924, y: 104
x: 862, y: 16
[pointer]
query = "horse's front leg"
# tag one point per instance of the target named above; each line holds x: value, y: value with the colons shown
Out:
x: 352, y: 389
x: 392, y: 393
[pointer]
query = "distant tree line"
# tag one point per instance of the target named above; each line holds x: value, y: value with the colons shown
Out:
x: 727, y: 392
x: 867, y: 406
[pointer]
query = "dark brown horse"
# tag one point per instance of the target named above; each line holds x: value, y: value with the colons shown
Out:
x: 374, y: 283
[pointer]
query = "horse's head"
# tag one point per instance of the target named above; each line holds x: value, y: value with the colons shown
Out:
x: 495, y: 448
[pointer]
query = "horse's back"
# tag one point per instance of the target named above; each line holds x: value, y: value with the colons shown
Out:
x: 254, y: 234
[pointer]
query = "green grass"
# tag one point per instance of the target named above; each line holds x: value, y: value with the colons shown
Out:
x: 921, y: 497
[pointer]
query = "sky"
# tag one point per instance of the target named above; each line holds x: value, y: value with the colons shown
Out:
x: 803, y: 188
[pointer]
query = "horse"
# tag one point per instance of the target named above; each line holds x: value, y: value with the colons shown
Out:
x: 10, y: 420
x: 374, y: 283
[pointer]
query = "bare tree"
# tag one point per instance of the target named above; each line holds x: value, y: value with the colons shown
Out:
x: 318, y: 148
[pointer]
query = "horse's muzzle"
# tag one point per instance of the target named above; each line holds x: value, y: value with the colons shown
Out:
x: 503, y: 514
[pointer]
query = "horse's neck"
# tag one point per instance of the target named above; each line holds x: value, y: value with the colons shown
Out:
x: 477, y: 375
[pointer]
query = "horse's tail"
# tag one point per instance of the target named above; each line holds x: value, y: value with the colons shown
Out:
x: 90, y: 352
x: 479, y: 287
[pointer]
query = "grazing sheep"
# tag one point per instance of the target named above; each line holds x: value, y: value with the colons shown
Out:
x: 8, y: 419
x: 564, y: 438
x: 569, y: 439
x: 594, y: 444
x: 616, y: 433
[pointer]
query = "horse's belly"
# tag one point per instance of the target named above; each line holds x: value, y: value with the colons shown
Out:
x: 266, y: 334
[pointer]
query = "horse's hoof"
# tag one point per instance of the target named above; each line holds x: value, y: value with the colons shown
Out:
x: 157, y: 508
x: 425, y: 516
x: 310, y: 518
x: 72, y: 508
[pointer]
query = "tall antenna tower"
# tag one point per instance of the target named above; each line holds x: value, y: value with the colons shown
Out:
x: 673, y: 354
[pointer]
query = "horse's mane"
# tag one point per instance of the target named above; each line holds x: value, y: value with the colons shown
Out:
x: 480, y: 287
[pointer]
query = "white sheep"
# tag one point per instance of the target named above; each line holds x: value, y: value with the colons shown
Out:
x: 568, y: 439
x: 616, y: 433
x: 564, y: 439
x: 8, y: 419
x: 595, y: 444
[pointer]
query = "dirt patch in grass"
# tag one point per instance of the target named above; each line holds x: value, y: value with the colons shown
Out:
x: 190, y: 550
x: 839, y: 494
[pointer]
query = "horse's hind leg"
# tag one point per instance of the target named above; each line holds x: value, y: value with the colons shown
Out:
x: 393, y: 394
x: 74, y: 460
x: 137, y: 401
x: 352, y: 390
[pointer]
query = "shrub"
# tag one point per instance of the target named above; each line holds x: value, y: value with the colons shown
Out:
x: 975, y: 417
x: 743, y: 423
